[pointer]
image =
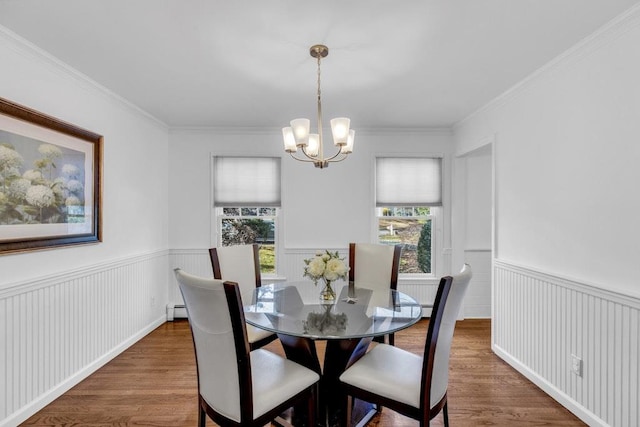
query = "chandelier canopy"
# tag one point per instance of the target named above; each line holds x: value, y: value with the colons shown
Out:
x: 310, y: 144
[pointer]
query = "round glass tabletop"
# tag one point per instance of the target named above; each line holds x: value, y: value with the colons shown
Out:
x: 295, y: 308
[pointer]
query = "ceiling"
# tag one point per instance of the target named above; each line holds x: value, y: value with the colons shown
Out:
x: 246, y: 63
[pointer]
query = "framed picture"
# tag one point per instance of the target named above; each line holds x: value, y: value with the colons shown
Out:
x: 50, y: 182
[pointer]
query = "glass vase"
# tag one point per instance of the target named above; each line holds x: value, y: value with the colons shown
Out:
x: 327, y: 294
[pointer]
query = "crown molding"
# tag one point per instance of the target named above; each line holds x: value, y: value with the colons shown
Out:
x: 606, y: 34
x: 29, y: 50
x: 230, y: 130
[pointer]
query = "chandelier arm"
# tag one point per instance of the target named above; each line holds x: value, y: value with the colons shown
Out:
x: 333, y: 158
x: 313, y: 158
x: 308, y: 159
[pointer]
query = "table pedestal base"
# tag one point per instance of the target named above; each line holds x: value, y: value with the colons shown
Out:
x: 339, y: 355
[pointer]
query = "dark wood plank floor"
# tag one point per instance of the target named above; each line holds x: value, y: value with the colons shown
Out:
x: 153, y: 383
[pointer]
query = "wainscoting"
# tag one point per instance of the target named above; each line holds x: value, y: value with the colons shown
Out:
x: 542, y: 320
x: 57, y: 330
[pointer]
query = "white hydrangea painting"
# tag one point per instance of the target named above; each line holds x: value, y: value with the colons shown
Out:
x: 40, y: 182
x: 50, y: 181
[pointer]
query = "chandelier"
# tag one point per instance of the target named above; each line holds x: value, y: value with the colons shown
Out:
x: 310, y: 144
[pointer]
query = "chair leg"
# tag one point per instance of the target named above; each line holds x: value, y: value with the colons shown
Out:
x: 392, y: 339
x: 348, y: 412
x: 445, y: 415
x: 202, y: 417
x: 311, y: 408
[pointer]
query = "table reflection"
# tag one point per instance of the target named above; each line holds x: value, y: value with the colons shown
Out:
x: 325, y: 323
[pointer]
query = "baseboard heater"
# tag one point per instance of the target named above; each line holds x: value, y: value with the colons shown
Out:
x: 176, y: 311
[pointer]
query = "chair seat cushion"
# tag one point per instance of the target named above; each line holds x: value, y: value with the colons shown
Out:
x: 390, y: 372
x: 256, y: 334
x: 276, y: 379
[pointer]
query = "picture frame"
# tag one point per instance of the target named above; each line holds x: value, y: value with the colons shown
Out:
x: 50, y: 182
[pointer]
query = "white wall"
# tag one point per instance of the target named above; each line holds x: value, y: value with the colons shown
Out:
x: 566, y: 204
x: 567, y: 173
x: 321, y: 208
x: 478, y: 200
x: 67, y: 311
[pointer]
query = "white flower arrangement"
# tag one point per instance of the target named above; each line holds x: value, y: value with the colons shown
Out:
x: 325, y: 265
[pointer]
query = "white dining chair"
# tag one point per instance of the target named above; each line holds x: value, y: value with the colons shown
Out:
x: 375, y: 266
x: 412, y: 385
x: 236, y: 386
x: 241, y: 264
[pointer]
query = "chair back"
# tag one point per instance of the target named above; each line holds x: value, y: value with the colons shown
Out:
x: 442, y: 323
x: 220, y: 341
x: 374, y: 266
x: 239, y: 264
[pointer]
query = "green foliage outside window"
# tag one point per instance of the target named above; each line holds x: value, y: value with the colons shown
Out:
x: 424, y: 248
x: 410, y: 227
x: 246, y: 231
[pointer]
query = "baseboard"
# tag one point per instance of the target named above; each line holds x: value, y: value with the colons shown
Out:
x: 578, y: 410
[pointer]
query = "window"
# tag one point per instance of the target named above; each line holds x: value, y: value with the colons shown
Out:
x: 410, y: 227
x: 408, y: 196
x: 246, y: 198
x: 243, y: 225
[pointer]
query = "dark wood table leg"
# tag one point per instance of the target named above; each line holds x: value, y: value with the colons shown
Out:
x: 302, y: 351
x: 339, y: 355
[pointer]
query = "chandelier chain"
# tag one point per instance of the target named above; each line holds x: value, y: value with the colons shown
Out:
x: 321, y: 147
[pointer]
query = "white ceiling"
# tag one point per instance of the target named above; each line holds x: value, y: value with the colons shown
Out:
x: 410, y: 63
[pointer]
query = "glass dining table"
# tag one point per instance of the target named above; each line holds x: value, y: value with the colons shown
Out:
x: 295, y: 312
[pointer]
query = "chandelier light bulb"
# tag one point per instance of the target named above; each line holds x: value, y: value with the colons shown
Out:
x: 314, y: 145
x: 348, y: 149
x: 340, y: 130
x: 300, y: 129
x: 289, y: 140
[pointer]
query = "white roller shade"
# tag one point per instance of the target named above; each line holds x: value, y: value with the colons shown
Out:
x: 246, y: 181
x: 408, y: 181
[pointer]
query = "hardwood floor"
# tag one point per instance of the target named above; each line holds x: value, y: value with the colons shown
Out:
x: 153, y: 383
